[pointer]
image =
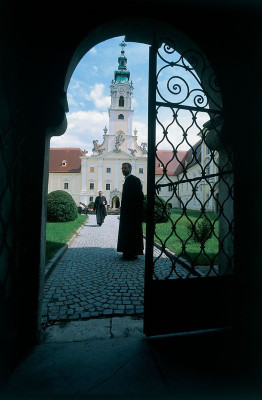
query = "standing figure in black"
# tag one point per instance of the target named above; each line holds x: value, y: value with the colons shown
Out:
x: 130, y: 235
x: 99, y: 208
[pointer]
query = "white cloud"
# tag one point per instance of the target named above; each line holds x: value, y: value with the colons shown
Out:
x: 76, y: 84
x: 83, y: 128
x: 134, y: 103
x: 176, y: 129
x: 98, y: 97
x: 93, y: 50
x: 95, y: 68
x: 138, y: 79
x: 71, y: 101
x: 86, y: 121
x: 78, y: 95
x: 141, y: 131
x: 67, y: 140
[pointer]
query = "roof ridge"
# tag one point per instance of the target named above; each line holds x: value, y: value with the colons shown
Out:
x: 65, y: 148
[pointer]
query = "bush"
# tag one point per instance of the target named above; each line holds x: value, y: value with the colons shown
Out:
x: 161, y: 210
x: 91, y: 204
x: 61, y: 207
x: 201, y: 231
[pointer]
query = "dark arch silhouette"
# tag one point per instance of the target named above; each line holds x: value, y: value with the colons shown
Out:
x: 121, y: 101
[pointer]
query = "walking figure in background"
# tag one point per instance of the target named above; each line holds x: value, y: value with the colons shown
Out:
x: 99, y: 208
x: 130, y: 234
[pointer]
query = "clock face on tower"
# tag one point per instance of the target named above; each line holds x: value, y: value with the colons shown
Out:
x: 122, y: 90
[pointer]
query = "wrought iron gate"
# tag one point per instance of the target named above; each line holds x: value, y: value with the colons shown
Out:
x: 189, y: 256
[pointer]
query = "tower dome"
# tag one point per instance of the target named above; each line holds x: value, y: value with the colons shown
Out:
x: 122, y: 74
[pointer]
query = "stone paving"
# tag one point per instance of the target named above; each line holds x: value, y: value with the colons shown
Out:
x: 92, y: 280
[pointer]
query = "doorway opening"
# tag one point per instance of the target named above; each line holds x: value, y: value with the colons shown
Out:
x: 82, y: 290
x: 115, y: 202
x: 187, y: 178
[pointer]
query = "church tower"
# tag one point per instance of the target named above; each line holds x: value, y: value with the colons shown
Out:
x: 120, y: 111
x: 119, y: 136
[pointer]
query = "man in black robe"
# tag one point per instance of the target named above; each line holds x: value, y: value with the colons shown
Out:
x: 99, y: 208
x: 130, y: 234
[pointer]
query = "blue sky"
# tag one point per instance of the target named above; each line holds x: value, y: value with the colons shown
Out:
x: 89, y: 98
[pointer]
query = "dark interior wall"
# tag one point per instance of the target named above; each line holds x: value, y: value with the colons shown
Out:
x: 26, y: 113
x: 38, y: 44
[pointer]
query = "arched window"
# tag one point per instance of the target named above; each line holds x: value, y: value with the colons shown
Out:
x: 121, y: 101
x: 120, y: 116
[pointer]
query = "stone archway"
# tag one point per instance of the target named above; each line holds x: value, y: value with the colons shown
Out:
x: 44, y: 104
x: 115, y: 202
x: 115, y: 198
x: 172, y: 41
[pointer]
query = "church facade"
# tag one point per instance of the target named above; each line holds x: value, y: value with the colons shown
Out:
x: 83, y: 175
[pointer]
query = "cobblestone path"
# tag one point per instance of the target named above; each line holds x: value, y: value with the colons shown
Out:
x: 92, y: 280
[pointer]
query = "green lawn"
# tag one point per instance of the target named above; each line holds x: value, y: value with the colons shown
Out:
x: 175, y: 237
x: 59, y: 233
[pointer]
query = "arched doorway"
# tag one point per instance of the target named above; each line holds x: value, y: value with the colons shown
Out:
x: 115, y: 202
x: 199, y: 97
x: 52, y: 64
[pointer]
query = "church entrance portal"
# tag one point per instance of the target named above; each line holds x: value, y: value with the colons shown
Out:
x: 115, y: 202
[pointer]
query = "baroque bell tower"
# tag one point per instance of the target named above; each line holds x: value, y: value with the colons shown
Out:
x: 120, y: 111
x: 120, y: 135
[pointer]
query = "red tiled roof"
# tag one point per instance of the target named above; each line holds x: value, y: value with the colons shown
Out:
x: 68, y: 154
x: 165, y: 156
x: 73, y: 161
x: 192, y: 155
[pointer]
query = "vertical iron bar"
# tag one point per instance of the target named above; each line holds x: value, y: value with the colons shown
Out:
x: 150, y: 181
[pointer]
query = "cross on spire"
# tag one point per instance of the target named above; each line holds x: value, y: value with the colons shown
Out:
x: 123, y: 45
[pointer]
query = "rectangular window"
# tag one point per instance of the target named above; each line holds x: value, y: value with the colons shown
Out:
x: 170, y: 188
x: 91, y: 198
x: 92, y: 186
x: 107, y: 186
x: 141, y: 170
x: 92, y: 169
x: 65, y: 185
x: 108, y: 170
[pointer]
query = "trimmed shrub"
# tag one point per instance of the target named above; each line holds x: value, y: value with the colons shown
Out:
x: 61, y: 207
x: 161, y: 210
x: 91, y: 204
x: 201, y: 232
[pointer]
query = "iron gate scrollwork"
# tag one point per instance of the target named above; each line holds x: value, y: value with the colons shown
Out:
x: 190, y: 194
